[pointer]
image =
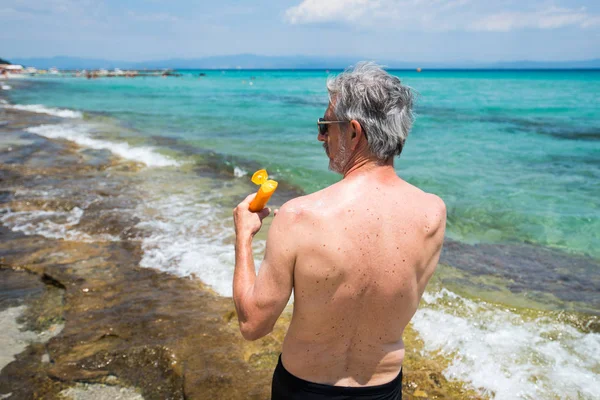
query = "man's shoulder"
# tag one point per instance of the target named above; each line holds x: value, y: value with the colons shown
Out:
x: 434, y: 203
x: 302, y: 207
x: 428, y: 201
x: 434, y: 214
x: 304, y: 212
x: 292, y: 221
x: 429, y: 208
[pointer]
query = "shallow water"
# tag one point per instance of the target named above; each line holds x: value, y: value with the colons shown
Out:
x: 513, y: 154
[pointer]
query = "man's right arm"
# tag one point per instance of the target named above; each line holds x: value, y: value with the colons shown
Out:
x: 259, y: 307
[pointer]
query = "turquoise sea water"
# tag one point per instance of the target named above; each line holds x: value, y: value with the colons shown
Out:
x: 514, y: 154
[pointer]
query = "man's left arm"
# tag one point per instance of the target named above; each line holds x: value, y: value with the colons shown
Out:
x: 260, y: 300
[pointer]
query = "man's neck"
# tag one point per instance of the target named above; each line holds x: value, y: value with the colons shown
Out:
x: 362, y: 164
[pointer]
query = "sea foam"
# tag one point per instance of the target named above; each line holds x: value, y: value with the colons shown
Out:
x: 39, y: 108
x: 80, y: 134
x: 506, y: 355
x: 50, y: 224
x: 187, y: 237
x: 239, y: 172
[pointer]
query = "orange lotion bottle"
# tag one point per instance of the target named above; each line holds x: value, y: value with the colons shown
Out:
x: 266, y: 189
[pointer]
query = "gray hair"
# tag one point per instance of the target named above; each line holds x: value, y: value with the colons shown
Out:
x: 378, y: 101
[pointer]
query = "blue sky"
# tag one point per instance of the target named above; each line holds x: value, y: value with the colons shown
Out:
x: 404, y: 30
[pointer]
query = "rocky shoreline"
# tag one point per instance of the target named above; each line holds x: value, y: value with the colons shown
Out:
x: 152, y: 334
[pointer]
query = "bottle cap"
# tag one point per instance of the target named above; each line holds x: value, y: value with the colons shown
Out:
x: 260, y: 177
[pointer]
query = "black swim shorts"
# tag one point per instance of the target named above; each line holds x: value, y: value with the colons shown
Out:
x: 289, y: 387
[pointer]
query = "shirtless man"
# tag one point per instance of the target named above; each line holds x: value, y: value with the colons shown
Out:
x: 358, y: 254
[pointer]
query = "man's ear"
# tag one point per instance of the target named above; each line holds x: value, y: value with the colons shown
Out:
x: 357, y: 133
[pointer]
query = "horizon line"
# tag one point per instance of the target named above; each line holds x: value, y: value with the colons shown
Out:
x: 596, y: 58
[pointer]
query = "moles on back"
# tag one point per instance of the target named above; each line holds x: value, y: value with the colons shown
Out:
x: 362, y: 265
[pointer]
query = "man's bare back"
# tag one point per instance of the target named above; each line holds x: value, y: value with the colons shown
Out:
x: 357, y: 254
x: 366, y: 248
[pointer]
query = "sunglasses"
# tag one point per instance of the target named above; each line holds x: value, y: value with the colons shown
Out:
x: 323, y: 125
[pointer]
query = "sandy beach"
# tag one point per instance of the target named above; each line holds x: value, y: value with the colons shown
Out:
x: 86, y: 313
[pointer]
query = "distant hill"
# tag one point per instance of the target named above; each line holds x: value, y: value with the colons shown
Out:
x: 3, y: 61
x: 245, y: 61
x: 253, y: 61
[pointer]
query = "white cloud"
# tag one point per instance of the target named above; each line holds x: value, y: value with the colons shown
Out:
x: 550, y: 18
x: 441, y: 15
x: 329, y: 10
x: 591, y: 22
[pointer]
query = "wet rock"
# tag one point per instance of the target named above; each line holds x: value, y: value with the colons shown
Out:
x: 27, y: 376
x: 44, y: 312
x: 17, y: 286
x: 99, y: 158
